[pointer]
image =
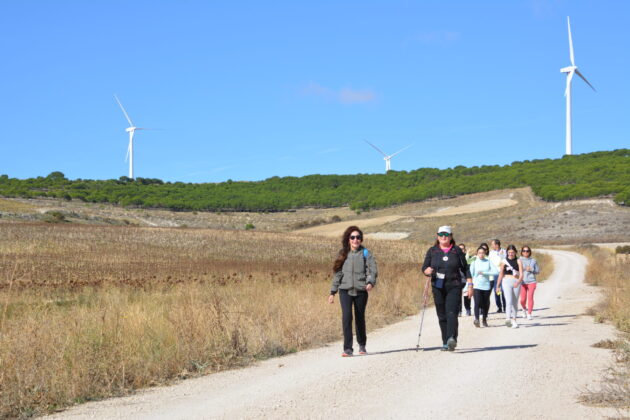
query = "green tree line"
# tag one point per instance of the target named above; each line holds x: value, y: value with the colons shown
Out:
x: 570, y: 177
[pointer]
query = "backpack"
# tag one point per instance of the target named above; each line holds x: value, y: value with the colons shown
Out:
x: 366, y: 253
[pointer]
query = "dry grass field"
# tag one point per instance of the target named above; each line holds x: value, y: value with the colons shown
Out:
x: 88, y: 312
x: 612, y: 272
x: 92, y: 304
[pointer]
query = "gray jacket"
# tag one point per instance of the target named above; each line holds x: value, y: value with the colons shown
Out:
x: 529, y: 276
x: 357, y: 271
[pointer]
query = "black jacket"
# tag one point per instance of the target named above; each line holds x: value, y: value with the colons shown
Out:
x: 452, y: 268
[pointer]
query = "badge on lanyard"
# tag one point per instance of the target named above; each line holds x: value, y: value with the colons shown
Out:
x: 445, y: 258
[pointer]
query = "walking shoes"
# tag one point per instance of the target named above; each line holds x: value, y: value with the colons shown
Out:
x: 451, y: 343
x: 362, y: 350
x: 508, y: 323
x: 347, y: 353
x: 476, y: 322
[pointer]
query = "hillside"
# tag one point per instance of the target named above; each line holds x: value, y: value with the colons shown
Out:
x: 571, y: 177
x: 513, y: 214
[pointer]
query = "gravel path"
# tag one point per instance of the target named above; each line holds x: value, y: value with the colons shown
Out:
x: 533, y: 372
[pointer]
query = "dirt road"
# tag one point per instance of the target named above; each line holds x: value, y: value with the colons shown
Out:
x: 533, y: 372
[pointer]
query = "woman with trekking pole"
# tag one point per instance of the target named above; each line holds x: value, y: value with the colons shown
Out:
x: 354, y: 275
x: 509, y: 281
x: 444, y: 263
x: 528, y: 287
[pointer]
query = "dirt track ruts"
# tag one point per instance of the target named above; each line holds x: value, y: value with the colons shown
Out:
x: 533, y: 372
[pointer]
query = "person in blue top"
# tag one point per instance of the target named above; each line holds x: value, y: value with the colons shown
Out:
x: 481, y: 270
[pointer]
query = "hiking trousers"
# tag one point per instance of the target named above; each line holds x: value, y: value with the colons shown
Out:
x: 511, y: 296
x: 360, y: 303
x: 482, y: 302
x: 447, y: 303
x: 527, y: 296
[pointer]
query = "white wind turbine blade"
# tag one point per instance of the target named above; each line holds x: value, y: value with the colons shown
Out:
x: 569, y: 78
x: 570, y: 43
x: 584, y: 78
x: 377, y: 149
x: 123, y: 110
x: 401, y: 150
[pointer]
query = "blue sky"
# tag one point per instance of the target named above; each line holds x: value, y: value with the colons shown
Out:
x: 246, y: 90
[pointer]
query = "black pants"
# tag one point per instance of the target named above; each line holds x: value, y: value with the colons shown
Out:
x: 482, y: 302
x: 360, y: 303
x: 447, y: 303
x: 466, y: 303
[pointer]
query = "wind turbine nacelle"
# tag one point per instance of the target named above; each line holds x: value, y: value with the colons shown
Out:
x: 567, y: 69
x: 130, y: 129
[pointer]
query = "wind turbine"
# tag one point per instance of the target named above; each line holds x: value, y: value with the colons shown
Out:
x: 571, y: 70
x: 131, y: 130
x: 386, y: 157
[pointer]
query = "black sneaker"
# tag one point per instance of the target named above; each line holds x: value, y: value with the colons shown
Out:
x: 484, y: 322
x: 451, y: 343
x: 476, y: 322
x: 499, y: 310
x: 362, y: 350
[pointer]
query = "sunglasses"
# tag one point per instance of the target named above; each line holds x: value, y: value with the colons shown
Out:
x: 353, y: 237
x: 444, y: 234
x: 526, y: 250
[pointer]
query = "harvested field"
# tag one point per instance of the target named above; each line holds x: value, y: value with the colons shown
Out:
x: 88, y: 312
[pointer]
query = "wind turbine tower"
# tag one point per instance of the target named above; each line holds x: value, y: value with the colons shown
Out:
x: 570, y: 71
x: 387, y: 158
x: 131, y: 130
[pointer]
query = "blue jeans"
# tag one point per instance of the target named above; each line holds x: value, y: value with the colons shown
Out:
x: 498, y: 299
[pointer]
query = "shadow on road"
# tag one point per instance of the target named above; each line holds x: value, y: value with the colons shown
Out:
x: 374, y: 353
x: 493, y: 348
x: 538, y: 324
x: 556, y: 316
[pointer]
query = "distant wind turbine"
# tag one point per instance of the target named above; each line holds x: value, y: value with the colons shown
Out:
x: 131, y: 130
x: 571, y: 70
x: 386, y: 157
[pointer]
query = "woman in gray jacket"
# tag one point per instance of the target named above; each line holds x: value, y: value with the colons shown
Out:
x: 528, y: 287
x: 354, y: 276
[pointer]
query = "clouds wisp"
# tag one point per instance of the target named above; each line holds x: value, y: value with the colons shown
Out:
x: 346, y: 96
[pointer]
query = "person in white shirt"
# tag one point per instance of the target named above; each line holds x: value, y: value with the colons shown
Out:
x: 497, y: 255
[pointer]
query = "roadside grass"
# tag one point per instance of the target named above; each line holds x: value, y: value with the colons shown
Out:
x: 88, y: 312
x: 612, y: 272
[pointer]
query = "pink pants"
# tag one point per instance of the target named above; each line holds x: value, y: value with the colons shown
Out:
x: 527, y: 296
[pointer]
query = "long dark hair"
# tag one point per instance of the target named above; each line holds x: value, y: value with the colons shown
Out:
x: 513, y: 248
x: 345, y: 243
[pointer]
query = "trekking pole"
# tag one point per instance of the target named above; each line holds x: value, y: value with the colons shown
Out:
x: 426, y: 297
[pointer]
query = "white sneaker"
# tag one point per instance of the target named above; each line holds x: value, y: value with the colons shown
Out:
x: 529, y: 316
x: 514, y: 324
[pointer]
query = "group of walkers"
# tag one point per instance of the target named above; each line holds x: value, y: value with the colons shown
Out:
x: 452, y: 272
